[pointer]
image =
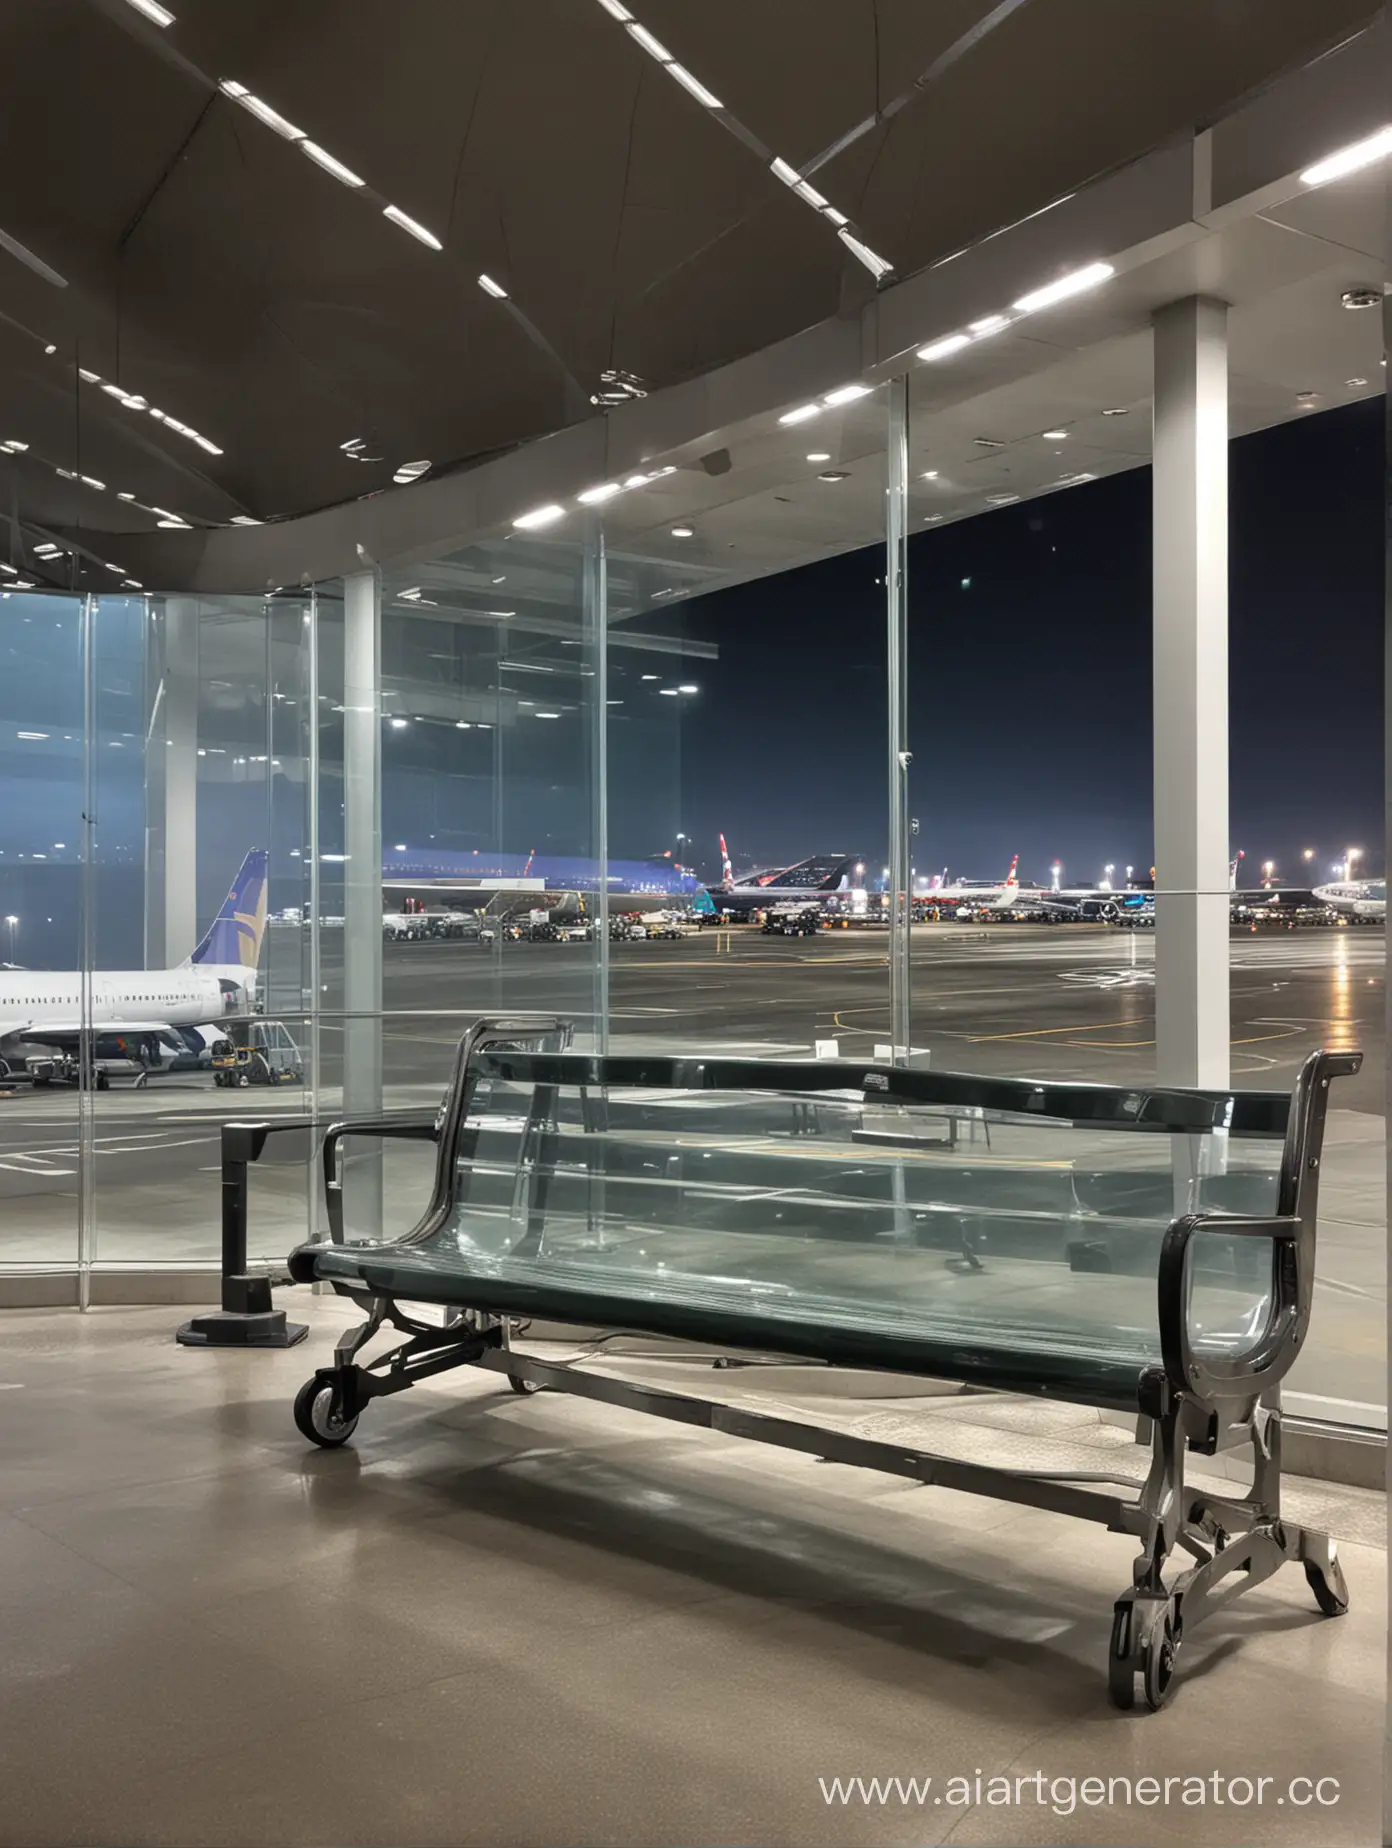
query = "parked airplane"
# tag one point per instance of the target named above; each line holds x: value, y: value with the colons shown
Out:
x: 816, y: 877
x: 1363, y: 901
x: 480, y: 876
x: 973, y: 895
x: 44, y: 1008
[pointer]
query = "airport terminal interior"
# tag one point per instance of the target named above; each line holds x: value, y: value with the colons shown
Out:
x: 717, y: 815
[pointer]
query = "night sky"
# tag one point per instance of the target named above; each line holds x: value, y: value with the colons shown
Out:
x: 1030, y: 694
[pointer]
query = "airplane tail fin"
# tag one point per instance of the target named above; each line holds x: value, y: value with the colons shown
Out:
x: 727, y: 872
x: 234, y: 936
x: 1010, y: 878
x: 1232, y: 870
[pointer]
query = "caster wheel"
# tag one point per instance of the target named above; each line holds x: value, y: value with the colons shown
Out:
x: 1121, y: 1678
x: 316, y: 1419
x: 1158, y: 1669
x: 1327, y: 1583
x: 524, y: 1388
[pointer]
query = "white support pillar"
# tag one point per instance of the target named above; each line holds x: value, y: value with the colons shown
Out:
x: 1190, y: 544
x: 362, y: 893
x: 171, y: 798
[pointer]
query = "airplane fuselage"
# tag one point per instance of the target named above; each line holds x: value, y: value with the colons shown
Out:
x: 35, y: 1003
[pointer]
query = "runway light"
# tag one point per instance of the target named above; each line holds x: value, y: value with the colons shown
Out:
x: 1349, y: 159
x: 1075, y: 283
x: 944, y: 348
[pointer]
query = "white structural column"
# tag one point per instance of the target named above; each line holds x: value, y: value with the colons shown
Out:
x: 897, y: 649
x: 362, y: 893
x: 171, y: 785
x: 1190, y: 543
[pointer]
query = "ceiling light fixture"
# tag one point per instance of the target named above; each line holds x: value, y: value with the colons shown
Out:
x: 410, y: 471
x: 1355, y: 384
x: 878, y: 266
x: 244, y: 519
x: 605, y: 491
x: 834, y: 474
x: 820, y: 455
x: 15, y: 447
x: 683, y: 532
x: 944, y: 348
x: 152, y: 11
x: 930, y: 474
x: 546, y: 715
x: 693, y: 85
x: 181, y: 526
x: 1349, y: 159
x: 1117, y: 410
x: 990, y: 324
x: 489, y: 287
x: 1001, y: 500
x: 539, y: 516
x: 846, y: 394
x: 1055, y: 436
x: 617, y: 9
x: 803, y: 414
x: 1076, y: 282
x: 262, y: 111
x: 417, y: 231
x: 641, y: 36
x: 322, y: 158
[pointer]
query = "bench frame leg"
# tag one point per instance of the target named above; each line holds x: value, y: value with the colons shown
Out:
x: 427, y: 1350
x: 1236, y: 1542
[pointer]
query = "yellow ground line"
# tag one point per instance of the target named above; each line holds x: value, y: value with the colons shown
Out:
x: 1079, y: 1026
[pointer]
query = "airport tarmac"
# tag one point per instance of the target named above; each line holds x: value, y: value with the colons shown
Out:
x: 1076, y: 1002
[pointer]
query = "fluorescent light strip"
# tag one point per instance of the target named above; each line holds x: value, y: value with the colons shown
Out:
x: 991, y: 324
x: 495, y: 289
x: 1075, y: 283
x: 803, y: 414
x: 845, y: 394
x: 605, y: 491
x: 693, y: 86
x: 539, y: 516
x: 654, y: 47
x: 878, y: 266
x: 152, y: 11
x: 322, y: 158
x: 398, y: 217
x: 262, y: 111
x: 1349, y: 159
x: 941, y: 349
x: 617, y: 9
x: 134, y: 402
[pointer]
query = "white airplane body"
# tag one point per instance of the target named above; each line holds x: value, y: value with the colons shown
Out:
x: 983, y: 894
x: 1362, y: 899
x: 45, y: 1007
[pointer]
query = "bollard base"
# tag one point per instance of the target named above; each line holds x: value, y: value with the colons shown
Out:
x: 231, y: 1328
x: 246, y: 1319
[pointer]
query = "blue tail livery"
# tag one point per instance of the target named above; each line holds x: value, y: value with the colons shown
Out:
x: 234, y: 937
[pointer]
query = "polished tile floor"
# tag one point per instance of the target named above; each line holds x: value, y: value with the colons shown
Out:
x: 504, y: 1620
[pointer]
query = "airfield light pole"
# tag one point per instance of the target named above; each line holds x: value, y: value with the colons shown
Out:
x: 13, y: 923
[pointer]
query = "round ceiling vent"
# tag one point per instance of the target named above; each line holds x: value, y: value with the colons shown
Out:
x: 1363, y: 297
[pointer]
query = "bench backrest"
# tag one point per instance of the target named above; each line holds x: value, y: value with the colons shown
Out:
x: 902, y: 1218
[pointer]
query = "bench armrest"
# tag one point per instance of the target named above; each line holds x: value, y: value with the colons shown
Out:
x: 1276, y: 1348
x: 415, y: 1127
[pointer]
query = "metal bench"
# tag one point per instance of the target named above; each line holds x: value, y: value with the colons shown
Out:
x: 1143, y: 1250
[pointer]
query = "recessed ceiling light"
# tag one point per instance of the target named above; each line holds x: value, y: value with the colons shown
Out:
x: 90, y: 481
x: 410, y: 471
x: 1001, y: 500
x: 834, y: 474
x: 152, y: 11
x: 930, y: 474
x: 244, y: 519
x: 322, y: 158
x: 652, y: 676
x: 461, y: 725
x: 1355, y: 384
x: 495, y: 289
x: 1349, y: 159
x: 1055, y: 436
x: 683, y: 532
x: 400, y: 724
x: 417, y: 231
x: 15, y: 447
x: 617, y: 8
x: 181, y: 526
x: 988, y: 442
x: 846, y: 394
x: 605, y: 491
x: 942, y: 349
x: 1074, y: 283
x: 803, y: 414
x: 668, y: 692
x: 820, y: 455
x: 539, y: 516
x: 546, y: 715
x: 990, y: 324
x: 1364, y: 297
x: 1117, y: 410
x: 687, y: 687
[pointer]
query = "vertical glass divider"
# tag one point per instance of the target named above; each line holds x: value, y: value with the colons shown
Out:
x: 86, y: 1041
x: 896, y: 612
x: 595, y: 618
x: 311, y: 622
